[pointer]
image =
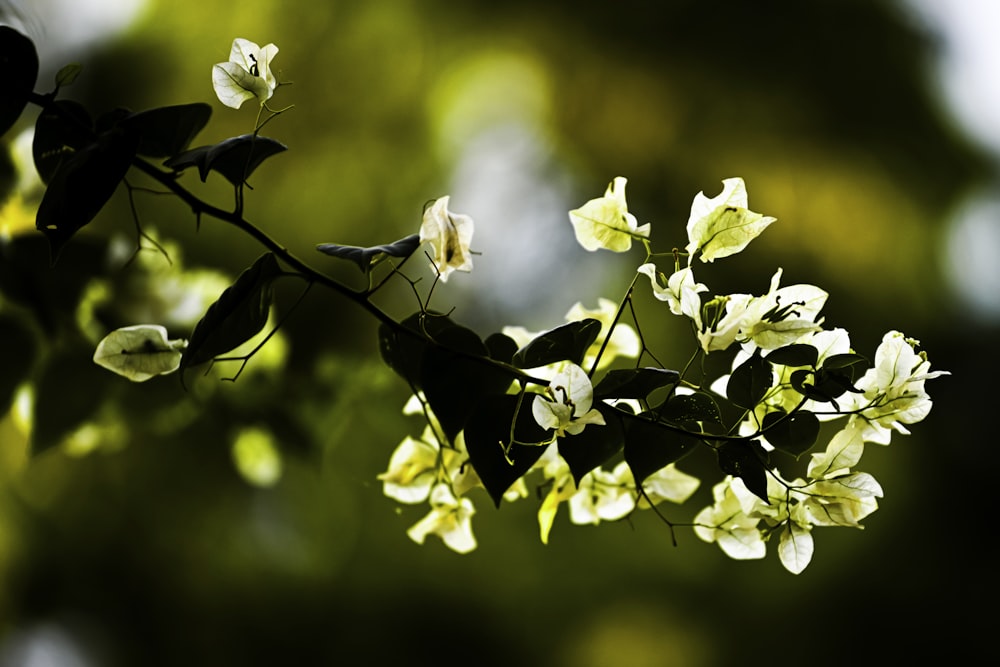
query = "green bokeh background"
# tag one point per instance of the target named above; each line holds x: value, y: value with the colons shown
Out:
x: 158, y: 553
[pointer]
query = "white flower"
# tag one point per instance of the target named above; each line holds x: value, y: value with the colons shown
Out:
x: 605, y: 222
x: 603, y: 495
x: 723, y: 225
x: 246, y: 75
x: 139, y: 352
x: 449, y: 235
x: 681, y: 292
x: 566, y: 405
x: 450, y: 519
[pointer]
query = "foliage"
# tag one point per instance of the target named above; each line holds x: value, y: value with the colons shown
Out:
x: 585, y: 409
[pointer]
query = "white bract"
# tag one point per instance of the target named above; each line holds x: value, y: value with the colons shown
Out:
x: 450, y: 519
x: 681, y: 292
x: 606, y: 223
x: 246, y: 75
x: 565, y: 407
x: 139, y: 352
x: 723, y: 225
x: 449, y: 235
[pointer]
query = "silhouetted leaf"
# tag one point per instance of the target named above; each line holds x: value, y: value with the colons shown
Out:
x: 797, y: 354
x: 501, y: 346
x: 747, y: 460
x: 690, y: 408
x: 60, y: 130
x: 237, y: 316
x: 67, y: 74
x: 793, y: 434
x: 489, y: 430
x: 750, y: 381
x: 19, y: 63
x: 634, y: 382
x: 166, y: 131
x: 82, y: 185
x: 568, y: 342
x: 650, y: 446
x: 366, y: 258
x: 235, y: 158
x: 594, y: 445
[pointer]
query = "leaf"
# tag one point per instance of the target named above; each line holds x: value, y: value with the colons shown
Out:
x: 502, y: 347
x: 20, y: 349
x: 634, y: 382
x: 139, y: 352
x: 67, y: 74
x: 593, y: 446
x: 747, y: 460
x: 366, y: 258
x: 691, y: 409
x: 795, y: 547
x: 750, y: 382
x: 82, y: 185
x: 797, y: 354
x: 237, y: 316
x: 650, y: 446
x: 568, y: 342
x: 489, y: 431
x: 60, y: 130
x: 792, y: 434
x: 235, y: 158
x: 19, y: 62
x: 723, y: 225
x: 166, y: 131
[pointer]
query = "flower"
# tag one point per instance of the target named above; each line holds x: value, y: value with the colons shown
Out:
x: 246, y: 75
x: 450, y: 519
x: 605, y: 222
x: 566, y: 405
x: 450, y: 235
x: 723, y: 225
x: 681, y: 292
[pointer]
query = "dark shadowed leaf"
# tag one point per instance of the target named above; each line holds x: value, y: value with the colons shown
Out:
x: 235, y: 158
x: 237, y: 316
x: 797, y: 354
x: 366, y: 258
x: 82, y: 185
x: 750, y: 381
x: 60, y: 131
x: 650, y: 446
x: 793, y: 434
x: 67, y: 74
x: 19, y: 63
x: 634, y: 382
x: 568, y: 342
x: 166, y: 131
x: 595, y: 444
x: 489, y: 431
x: 501, y: 346
x: 747, y: 460
x: 691, y: 409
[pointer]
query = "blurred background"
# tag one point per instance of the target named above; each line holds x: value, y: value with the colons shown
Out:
x: 870, y: 129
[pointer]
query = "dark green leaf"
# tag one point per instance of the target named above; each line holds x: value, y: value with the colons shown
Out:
x: 850, y: 365
x: 691, y: 408
x: 747, y: 460
x: 67, y: 74
x: 750, y: 381
x: 797, y: 354
x: 60, y: 130
x: 489, y: 431
x: 17, y: 341
x: 366, y: 258
x: 502, y: 347
x: 235, y: 158
x: 237, y: 316
x: 793, y: 434
x: 568, y: 342
x: 166, y: 131
x: 82, y: 185
x: 454, y: 383
x: 634, y: 382
x: 650, y: 446
x: 595, y: 444
x: 19, y: 63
